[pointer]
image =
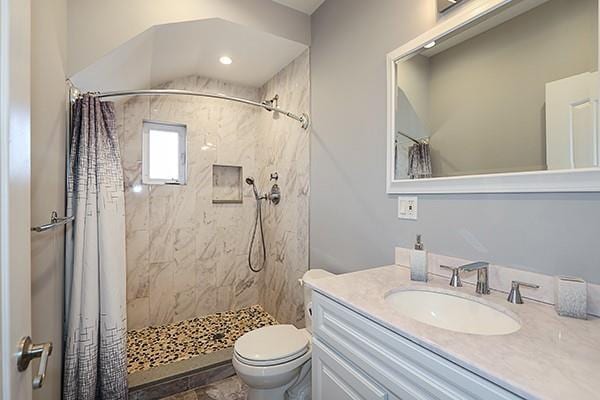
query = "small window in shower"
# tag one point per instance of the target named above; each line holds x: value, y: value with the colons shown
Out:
x: 164, y: 153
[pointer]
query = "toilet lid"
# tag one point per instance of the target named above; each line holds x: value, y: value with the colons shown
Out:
x: 272, y: 344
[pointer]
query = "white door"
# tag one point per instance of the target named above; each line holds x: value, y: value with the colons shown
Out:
x: 572, y: 122
x: 15, y: 281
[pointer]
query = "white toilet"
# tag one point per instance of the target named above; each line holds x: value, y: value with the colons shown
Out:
x: 276, y: 359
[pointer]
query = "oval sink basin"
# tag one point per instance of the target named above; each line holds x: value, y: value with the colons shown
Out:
x: 451, y: 311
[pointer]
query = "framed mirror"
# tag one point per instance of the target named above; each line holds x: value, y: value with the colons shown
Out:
x: 501, y: 96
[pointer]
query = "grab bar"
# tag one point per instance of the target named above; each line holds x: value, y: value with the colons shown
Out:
x: 54, y: 222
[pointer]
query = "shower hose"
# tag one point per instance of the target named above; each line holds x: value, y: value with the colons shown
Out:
x: 257, y: 222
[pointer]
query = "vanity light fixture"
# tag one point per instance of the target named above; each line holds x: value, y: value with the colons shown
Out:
x: 430, y: 45
x: 225, y: 60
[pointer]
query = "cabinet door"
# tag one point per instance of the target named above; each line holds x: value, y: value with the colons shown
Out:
x: 333, y: 378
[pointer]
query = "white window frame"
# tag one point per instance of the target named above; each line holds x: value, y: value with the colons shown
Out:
x: 181, y: 130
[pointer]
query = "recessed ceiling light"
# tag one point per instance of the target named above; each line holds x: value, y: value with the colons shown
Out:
x: 430, y: 44
x: 225, y: 60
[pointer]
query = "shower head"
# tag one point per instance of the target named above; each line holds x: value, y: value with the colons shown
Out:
x: 250, y: 181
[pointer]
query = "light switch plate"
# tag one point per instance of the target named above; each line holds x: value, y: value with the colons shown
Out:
x: 407, y: 207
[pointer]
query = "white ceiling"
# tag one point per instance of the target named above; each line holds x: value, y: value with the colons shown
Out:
x: 166, y: 52
x: 306, y: 6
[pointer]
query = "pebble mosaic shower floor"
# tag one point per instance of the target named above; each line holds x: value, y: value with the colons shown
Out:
x: 160, y: 345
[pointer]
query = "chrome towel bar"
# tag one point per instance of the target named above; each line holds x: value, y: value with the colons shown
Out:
x: 54, y: 222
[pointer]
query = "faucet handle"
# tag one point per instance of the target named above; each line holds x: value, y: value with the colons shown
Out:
x: 515, y: 293
x: 455, y: 279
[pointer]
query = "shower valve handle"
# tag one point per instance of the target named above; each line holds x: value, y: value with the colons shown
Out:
x: 275, y: 194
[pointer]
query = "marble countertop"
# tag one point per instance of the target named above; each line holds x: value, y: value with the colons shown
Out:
x: 550, y: 357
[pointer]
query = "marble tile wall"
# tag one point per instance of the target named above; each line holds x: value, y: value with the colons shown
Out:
x: 285, y: 149
x: 186, y: 257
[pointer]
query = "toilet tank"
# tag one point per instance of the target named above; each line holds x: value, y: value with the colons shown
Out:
x: 307, y: 277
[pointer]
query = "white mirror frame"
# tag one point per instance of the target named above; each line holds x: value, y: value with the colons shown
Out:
x: 575, y: 180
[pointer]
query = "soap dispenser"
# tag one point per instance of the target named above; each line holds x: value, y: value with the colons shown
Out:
x: 418, y: 262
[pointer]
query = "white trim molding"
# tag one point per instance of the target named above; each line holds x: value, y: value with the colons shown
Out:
x: 575, y: 180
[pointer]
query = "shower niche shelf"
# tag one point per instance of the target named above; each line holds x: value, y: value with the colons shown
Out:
x: 227, y: 184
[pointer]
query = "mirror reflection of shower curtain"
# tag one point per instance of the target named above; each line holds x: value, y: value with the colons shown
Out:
x: 411, y: 160
x: 419, y: 161
x: 95, y: 359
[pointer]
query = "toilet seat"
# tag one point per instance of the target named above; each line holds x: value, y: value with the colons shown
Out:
x: 269, y: 363
x: 271, y: 345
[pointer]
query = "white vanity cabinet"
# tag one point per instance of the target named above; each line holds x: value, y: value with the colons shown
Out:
x: 356, y: 358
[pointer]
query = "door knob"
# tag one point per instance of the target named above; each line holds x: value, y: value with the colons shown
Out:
x: 27, y: 351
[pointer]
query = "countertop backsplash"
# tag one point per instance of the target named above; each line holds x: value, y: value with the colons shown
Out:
x: 500, y: 278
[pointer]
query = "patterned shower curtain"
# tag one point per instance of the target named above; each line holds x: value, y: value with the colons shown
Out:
x: 95, y: 308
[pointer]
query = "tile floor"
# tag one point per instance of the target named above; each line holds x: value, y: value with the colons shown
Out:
x: 161, y: 345
x: 228, y: 389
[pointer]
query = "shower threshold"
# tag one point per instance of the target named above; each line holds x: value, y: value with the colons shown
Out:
x: 180, y: 376
x: 172, y: 358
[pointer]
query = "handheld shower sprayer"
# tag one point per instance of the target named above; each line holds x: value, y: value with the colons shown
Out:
x: 274, y: 196
x: 250, y: 181
x: 257, y: 222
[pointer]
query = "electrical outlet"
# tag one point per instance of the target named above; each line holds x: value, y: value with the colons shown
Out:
x: 407, y: 207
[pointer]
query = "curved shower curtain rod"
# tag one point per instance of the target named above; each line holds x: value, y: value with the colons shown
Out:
x: 302, y: 118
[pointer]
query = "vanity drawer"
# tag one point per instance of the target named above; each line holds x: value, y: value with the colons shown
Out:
x: 404, y: 368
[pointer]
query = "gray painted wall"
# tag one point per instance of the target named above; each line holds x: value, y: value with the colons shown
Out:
x: 353, y: 223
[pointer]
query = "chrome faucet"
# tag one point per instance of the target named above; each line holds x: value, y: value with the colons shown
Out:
x: 483, y: 282
x: 515, y: 294
x: 482, y: 268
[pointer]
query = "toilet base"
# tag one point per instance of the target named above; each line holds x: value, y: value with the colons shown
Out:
x: 301, y: 389
x: 267, y: 394
x: 298, y: 389
x: 263, y: 385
